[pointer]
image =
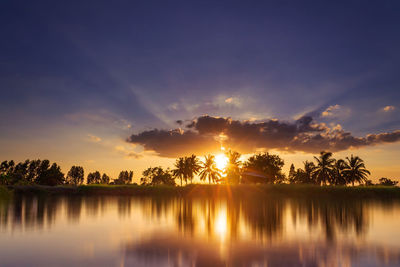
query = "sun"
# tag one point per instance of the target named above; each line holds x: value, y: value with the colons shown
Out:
x: 221, y: 161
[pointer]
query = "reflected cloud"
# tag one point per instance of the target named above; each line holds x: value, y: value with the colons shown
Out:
x: 169, y: 250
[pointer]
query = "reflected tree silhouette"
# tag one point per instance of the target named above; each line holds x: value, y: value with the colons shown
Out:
x: 124, y: 206
x: 184, y: 216
x: 262, y: 218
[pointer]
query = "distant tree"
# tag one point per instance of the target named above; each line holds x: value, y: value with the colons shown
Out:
x: 355, y: 170
x: 7, y: 171
x: 33, y: 170
x: 192, y: 167
x: 339, y: 177
x: 263, y: 168
x: 105, y: 179
x: 309, y: 170
x: 387, y: 182
x: 20, y: 173
x: 124, y: 177
x: 157, y: 176
x: 324, y: 170
x: 75, y: 175
x: 209, y: 170
x: 369, y: 183
x: 7, y: 167
x: 180, y: 170
x: 42, y: 168
x: 293, y: 174
x: 94, y: 178
x: 51, y: 176
x: 302, y: 176
x: 233, y: 167
x: 29, y: 172
x: 4, y: 167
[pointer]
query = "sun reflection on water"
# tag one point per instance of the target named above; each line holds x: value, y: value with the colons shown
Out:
x: 221, y: 224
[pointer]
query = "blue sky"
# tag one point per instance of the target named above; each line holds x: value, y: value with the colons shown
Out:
x: 73, y: 71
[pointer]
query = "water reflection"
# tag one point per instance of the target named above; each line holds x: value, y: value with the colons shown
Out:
x: 206, y: 232
x: 171, y: 251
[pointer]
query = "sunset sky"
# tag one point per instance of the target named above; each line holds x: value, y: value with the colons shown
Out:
x: 114, y: 85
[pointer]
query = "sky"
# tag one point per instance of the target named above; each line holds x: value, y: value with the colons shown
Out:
x: 115, y: 85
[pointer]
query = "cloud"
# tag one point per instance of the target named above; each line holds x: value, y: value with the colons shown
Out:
x: 229, y: 100
x: 203, y: 136
x: 134, y: 155
x: 99, y: 117
x: 94, y: 138
x: 335, y: 111
x: 234, y: 101
x: 388, y: 108
x: 173, y: 106
x: 128, y: 153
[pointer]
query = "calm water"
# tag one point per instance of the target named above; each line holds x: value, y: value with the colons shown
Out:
x: 127, y: 231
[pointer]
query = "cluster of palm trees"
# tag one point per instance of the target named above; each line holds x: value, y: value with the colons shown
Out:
x: 266, y: 168
x: 187, y: 167
x: 328, y: 170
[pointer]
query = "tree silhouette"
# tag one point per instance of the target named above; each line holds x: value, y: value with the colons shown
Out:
x: 180, y: 170
x: 294, y: 175
x: 105, y: 179
x: 355, y: 170
x: 157, y: 176
x: 263, y: 168
x: 94, y: 178
x: 51, y: 176
x: 387, y: 182
x: 233, y: 167
x: 209, y: 170
x: 302, y: 176
x: 75, y: 175
x: 29, y: 172
x: 33, y: 170
x: 309, y: 170
x: 339, y: 177
x: 124, y: 177
x: 192, y: 167
x: 324, y: 168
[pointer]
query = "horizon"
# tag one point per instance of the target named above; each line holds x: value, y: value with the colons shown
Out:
x: 128, y: 86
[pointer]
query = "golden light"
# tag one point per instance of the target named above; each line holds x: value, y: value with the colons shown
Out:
x: 221, y: 223
x: 221, y: 161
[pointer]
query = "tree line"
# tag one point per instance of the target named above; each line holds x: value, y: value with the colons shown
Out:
x: 261, y: 168
x: 41, y: 172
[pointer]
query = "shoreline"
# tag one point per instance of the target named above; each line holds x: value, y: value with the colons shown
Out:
x: 210, y: 191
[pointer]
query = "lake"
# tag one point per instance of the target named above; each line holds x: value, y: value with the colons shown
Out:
x: 133, y: 231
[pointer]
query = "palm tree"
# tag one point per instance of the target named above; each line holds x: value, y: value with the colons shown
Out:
x: 192, y: 167
x: 324, y: 169
x: 233, y: 167
x: 338, y: 175
x: 209, y: 169
x: 355, y: 170
x: 180, y: 171
x: 309, y: 169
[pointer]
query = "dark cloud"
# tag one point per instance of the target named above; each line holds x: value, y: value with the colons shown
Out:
x: 175, y: 142
x: 207, y: 134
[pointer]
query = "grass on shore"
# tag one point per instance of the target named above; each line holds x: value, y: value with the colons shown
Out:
x: 204, y: 190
